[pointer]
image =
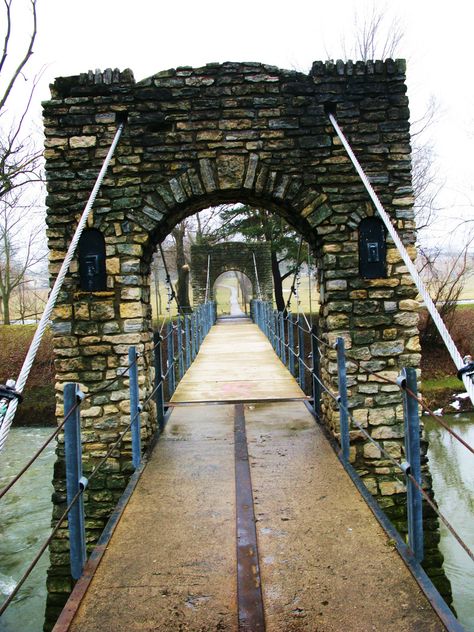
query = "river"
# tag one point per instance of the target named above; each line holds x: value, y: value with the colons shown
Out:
x: 452, y: 468
x: 25, y: 515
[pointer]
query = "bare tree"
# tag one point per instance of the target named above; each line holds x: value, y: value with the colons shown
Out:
x: 374, y: 37
x: 445, y: 276
x: 20, y: 158
x: 18, y: 69
x: 378, y: 35
x: 21, y: 162
x: 182, y: 267
x: 21, y: 247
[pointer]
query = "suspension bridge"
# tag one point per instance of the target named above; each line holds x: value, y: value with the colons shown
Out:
x: 242, y: 511
x: 243, y: 517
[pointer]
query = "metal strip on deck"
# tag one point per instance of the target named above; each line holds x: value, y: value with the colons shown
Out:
x: 249, y: 591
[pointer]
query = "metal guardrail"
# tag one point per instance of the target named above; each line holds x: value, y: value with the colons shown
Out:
x: 183, y: 340
x: 291, y: 350
x: 287, y: 334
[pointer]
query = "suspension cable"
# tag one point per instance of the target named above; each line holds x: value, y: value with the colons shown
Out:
x: 293, y: 285
x: 444, y: 333
x: 259, y: 291
x: 207, y: 277
x: 30, y: 356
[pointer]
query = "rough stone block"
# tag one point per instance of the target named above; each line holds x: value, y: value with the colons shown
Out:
x: 389, y: 488
x: 102, y: 311
x: 336, y: 285
x: 230, y: 171
x: 81, y: 142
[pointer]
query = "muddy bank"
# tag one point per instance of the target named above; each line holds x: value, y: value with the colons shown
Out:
x: 445, y: 399
x: 38, y: 406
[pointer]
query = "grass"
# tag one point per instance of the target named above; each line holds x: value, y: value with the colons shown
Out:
x: 468, y: 291
x: 305, y: 305
x: 38, y: 403
x: 441, y: 383
x: 223, y: 300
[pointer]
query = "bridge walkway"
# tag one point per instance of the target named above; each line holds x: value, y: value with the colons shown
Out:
x: 325, y: 562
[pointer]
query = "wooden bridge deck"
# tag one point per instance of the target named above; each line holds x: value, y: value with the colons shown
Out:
x: 325, y: 562
x: 236, y: 363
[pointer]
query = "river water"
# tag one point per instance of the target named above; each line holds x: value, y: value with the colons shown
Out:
x: 25, y: 515
x: 452, y: 468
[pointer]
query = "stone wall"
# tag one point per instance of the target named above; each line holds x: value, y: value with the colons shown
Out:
x: 226, y: 258
x: 233, y: 132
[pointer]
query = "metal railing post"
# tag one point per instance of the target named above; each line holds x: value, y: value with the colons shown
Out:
x: 179, y: 344
x: 274, y: 330
x: 187, y: 341
x: 268, y: 323
x: 282, y: 338
x: 291, y: 344
x: 159, y: 397
x: 199, y: 328
x: 316, y: 372
x: 193, y: 336
x: 134, y: 406
x: 74, y: 479
x: 343, y: 403
x: 278, y: 333
x: 412, y: 452
x: 171, y: 376
x: 301, y: 374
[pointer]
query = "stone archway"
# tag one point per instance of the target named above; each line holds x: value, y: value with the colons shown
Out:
x: 233, y: 132
x: 243, y: 257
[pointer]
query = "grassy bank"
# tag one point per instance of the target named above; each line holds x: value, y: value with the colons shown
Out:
x: 38, y: 403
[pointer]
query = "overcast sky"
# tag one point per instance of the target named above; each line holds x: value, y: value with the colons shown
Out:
x: 148, y: 36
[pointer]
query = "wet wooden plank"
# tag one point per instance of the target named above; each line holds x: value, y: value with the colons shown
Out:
x: 236, y: 362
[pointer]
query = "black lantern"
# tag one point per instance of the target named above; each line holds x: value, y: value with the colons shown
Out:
x: 372, y: 248
x: 92, y: 261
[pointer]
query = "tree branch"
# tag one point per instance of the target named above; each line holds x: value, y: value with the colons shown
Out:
x: 23, y: 61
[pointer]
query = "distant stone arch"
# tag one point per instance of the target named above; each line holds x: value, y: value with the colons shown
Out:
x: 242, y: 257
